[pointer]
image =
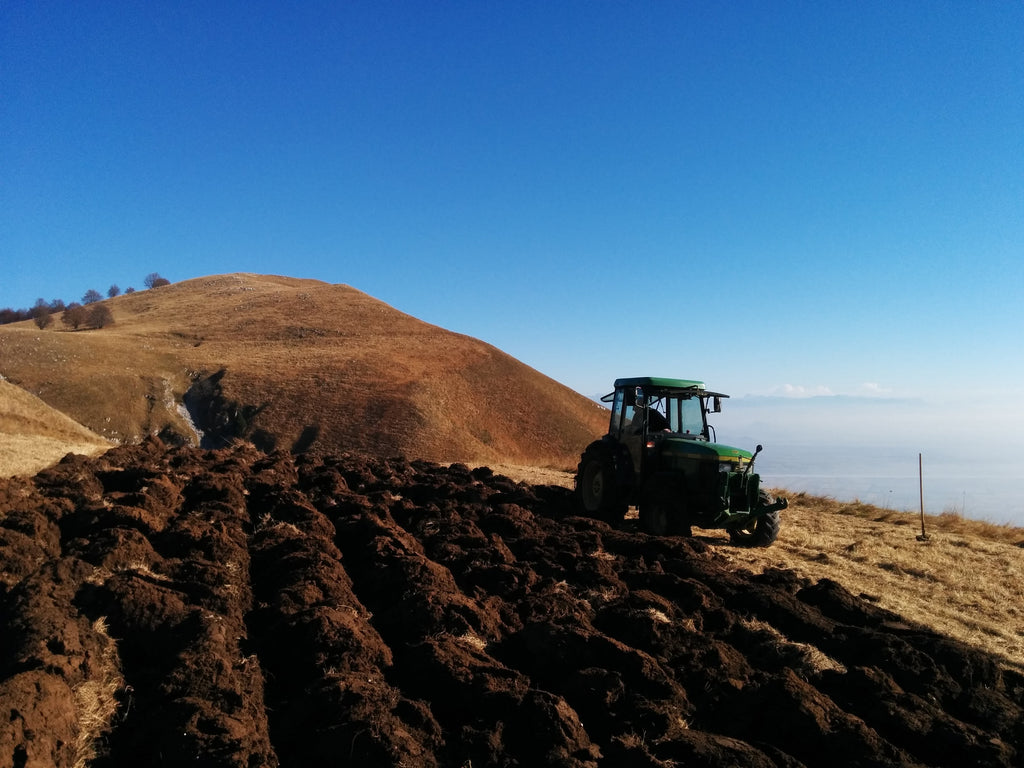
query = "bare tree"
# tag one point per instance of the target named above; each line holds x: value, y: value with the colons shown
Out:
x: 153, y: 280
x: 92, y: 296
x: 113, y: 291
x: 41, y: 314
x: 8, y: 315
x: 100, y: 316
x: 74, y: 316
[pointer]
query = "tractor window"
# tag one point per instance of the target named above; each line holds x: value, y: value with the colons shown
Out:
x: 616, y: 421
x: 628, y: 416
x: 656, y: 419
x: 686, y: 416
x: 625, y: 404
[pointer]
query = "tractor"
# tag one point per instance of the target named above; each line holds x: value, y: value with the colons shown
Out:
x: 661, y: 456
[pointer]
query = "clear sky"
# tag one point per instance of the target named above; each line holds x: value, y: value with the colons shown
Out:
x: 781, y: 198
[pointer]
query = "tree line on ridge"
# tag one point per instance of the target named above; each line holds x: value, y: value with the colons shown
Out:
x: 89, y: 313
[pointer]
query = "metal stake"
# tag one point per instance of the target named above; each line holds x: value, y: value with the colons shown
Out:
x: 920, y: 485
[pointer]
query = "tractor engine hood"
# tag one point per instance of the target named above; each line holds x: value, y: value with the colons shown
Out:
x: 692, y: 448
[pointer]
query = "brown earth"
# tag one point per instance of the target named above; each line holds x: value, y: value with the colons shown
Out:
x: 233, y: 608
x: 297, y: 364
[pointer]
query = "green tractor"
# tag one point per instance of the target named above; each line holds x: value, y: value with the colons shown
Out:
x: 661, y: 455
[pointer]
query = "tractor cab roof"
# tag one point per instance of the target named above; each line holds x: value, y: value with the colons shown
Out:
x: 657, y: 385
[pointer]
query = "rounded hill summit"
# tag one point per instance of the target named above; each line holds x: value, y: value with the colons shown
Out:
x: 297, y: 364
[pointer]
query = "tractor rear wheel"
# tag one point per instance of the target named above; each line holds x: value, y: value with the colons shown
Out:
x: 762, y: 532
x: 660, y: 515
x: 654, y: 518
x: 597, y: 486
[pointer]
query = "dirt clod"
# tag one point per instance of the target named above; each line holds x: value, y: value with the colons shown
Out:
x: 171, y: 606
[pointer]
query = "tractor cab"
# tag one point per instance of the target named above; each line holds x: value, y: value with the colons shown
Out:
x: 676, y: 406
x: 647, y: 410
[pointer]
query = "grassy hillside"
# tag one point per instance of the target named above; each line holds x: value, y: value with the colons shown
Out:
x: 293, y: 364
x: 33, y: 435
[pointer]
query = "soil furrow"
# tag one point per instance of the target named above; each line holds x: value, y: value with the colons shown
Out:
x: 232, y: 608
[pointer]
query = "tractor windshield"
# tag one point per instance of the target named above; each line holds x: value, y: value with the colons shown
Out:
x: 686, y: 416
x: 660, y: 411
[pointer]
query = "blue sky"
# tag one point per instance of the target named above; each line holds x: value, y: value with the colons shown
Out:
x: 781, y: 198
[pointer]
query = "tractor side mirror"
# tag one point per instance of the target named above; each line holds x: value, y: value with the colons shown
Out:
x: 716, y: 405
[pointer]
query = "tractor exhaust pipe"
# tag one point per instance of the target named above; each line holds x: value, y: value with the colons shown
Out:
x: 746, y: 470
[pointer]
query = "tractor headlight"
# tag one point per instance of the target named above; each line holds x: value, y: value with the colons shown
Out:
x: 726, y: 466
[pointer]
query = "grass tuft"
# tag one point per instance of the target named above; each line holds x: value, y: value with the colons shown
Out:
x: 96, y: 697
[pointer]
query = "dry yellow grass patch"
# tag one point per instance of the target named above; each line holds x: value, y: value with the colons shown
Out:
x: 541, y: 475
x: 34, y: 436
x: 473, y: 640
x: 23, y: 455
x: 96, y: 698
x: 966, y: 580
x: 806, y: 657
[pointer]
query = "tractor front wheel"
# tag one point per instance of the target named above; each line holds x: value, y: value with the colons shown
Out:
x: 597, y: 487
x: 762, y: 532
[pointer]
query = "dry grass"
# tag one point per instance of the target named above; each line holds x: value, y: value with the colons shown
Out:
x: 541, y: 475
x: 966, y: 580
x: 26, y: 455
x: 803, y: 656
x: 96, y: 698
x: 33, y: 435
x: 472, y: 640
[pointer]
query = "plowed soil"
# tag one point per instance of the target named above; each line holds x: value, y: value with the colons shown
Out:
x: 232, y: 608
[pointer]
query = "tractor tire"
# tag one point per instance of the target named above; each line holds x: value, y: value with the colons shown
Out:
x: 762, y: 532
x: 658, y: 518
x: 597, y: 486
x: 654, y: 519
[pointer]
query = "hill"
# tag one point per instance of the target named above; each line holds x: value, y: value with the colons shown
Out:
x: 33, y: 435
x: 229, y: 608
x: 297, y: 364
